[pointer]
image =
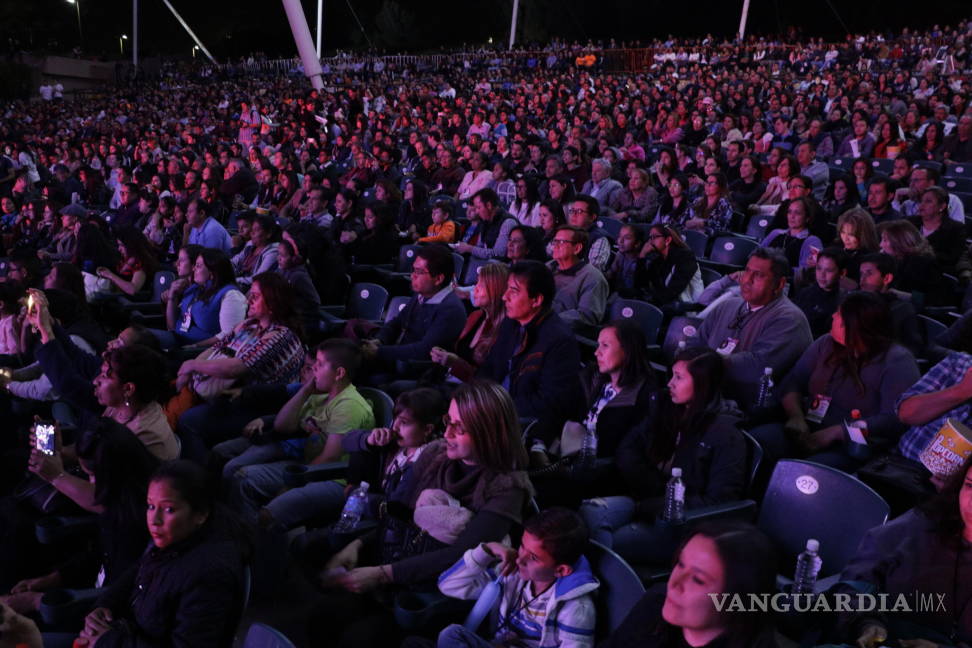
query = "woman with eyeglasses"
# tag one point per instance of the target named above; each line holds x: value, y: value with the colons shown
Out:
x: 670, y: 271
x: 478, y: 469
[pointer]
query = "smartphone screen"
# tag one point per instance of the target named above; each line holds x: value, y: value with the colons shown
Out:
x: 44, y: 435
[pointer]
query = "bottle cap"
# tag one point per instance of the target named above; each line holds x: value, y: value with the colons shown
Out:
x: 676, y: 472
x: 813, y: 545
x: 855, y: 414
x: 365, y: 485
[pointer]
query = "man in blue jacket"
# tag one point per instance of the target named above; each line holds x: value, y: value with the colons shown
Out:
x: 434, y: 316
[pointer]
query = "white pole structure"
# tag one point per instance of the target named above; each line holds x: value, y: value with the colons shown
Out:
x: 742, y: 20
x: 135, y: 33
x: 516, y: 10
x: 305, y: 45
x: 188, y: 30
x: 320, y: 21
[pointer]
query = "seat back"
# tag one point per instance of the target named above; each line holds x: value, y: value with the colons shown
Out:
x: 381, y: 403
x: 395, y: 307
x: 962, y: 185
x: 732, y: 250
x: 161, y: 282
x: 883, y: 165
x: 612, y: 226
x: 260, y: 635
x: 930, y: 164
x: 458, y: 261
x: 367, y: 301
x: 679, y: 329
x: 808, y: 500
x: 406, y: 257
x: 471, y: 274
x: 759, y: 226
x: 697, y: 242
x: 619, y: 590
x: 709, y: 275
x: 931, y: 329
x: 647, y: 316
x: 961, y: 170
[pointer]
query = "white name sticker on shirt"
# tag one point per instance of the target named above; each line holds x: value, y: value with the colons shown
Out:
x: 726, y: 348
x: 818, y: 408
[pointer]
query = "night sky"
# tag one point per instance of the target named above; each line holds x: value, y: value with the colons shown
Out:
x: 231, y: 28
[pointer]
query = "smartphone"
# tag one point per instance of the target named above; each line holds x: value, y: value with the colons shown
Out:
x: 30, y: 302
x: 44, y: 437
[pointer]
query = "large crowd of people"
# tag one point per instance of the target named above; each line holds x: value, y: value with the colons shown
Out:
x: 508, y: 297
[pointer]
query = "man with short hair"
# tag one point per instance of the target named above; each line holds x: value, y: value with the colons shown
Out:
x: 447, y: 178
x: 206, y: 230
x: 759, y: 328
x: 582, y: 213
x: 434, y: 316
x: 859, y: 143
x: 818, y: 172
x: 907, y: 198
x: 238, y: 180
x: 582, y: 290
x: 494, y: 230
x: 879, y: 195
x: 958, y: 145
x: 602, y: 187
x: 535, y: 356
x: 876, y: 275
x: 315, y: 210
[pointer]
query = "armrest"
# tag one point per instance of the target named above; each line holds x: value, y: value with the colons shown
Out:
x: 324, y: 472
x: 56, y: 529
x: 741, y: 510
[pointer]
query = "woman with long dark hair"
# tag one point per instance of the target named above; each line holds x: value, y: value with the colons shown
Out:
x: 204, y: 304
x: 857, y: 366
x: 728, y: 558
x: 137, y: 265
x: 687, y: 426
x: 918, y: 276
x: 670, y: 271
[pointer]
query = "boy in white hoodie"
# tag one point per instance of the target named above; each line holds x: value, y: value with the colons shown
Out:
x: 546, y: 587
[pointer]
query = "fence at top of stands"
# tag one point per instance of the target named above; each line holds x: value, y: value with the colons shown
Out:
x: 613, y: 60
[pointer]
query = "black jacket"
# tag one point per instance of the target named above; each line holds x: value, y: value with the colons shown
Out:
x: 538, y: 364
x: 189, y: 594
x: 622, y: 413
x: 665, y: 278
x: 713, y: 460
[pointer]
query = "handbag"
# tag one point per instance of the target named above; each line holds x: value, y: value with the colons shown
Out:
x: 399, y: 537
x: 209, y: 388
x: 902, y: 482
x: 577, y: 452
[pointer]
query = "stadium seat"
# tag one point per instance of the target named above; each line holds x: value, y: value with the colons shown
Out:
x: 808, y: 500
x: 612, y: 226
x: 367, y: 301
x: 679, y: 329
x: 471, y: 273
x: 962, y: 170
x: 709, y: 275
x: 697, y: 241
x: 647, y: 316
x: 930, y: 164
x: 732, y: 251
x: 381, y: 404
x: 160, y: 283
x: 620, y: 587
x: 882, y: 165
x: 260, y: 635
x: 759, y: 226
x: 961, y: 185
x: 395, y: 306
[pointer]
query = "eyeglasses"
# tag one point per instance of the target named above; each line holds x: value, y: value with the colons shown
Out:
x: 421, y: 271
x: 654, y: 237
x: 561, y: 242
x: 577, y: 210
x: 452, y: 426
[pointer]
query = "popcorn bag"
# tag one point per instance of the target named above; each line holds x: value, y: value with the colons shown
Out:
x: 949, y: 449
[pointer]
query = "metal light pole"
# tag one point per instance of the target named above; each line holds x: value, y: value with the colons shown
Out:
x: 121, y: 43
x: 77, y: 6
x: 320, y: 21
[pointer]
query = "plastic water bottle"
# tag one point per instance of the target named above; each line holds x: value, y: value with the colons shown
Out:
x: 674, y: 512
x: 807, y: 568
x: 765, y: 396
x: 354, y: 509
x: 484, y: 604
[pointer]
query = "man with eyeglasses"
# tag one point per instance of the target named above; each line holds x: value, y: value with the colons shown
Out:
x: 582, y: 290
x: 759, y: 328
x: 602, y: 187
x: 582, y: 213
x: 801, y: 186
x: 433, y: 317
